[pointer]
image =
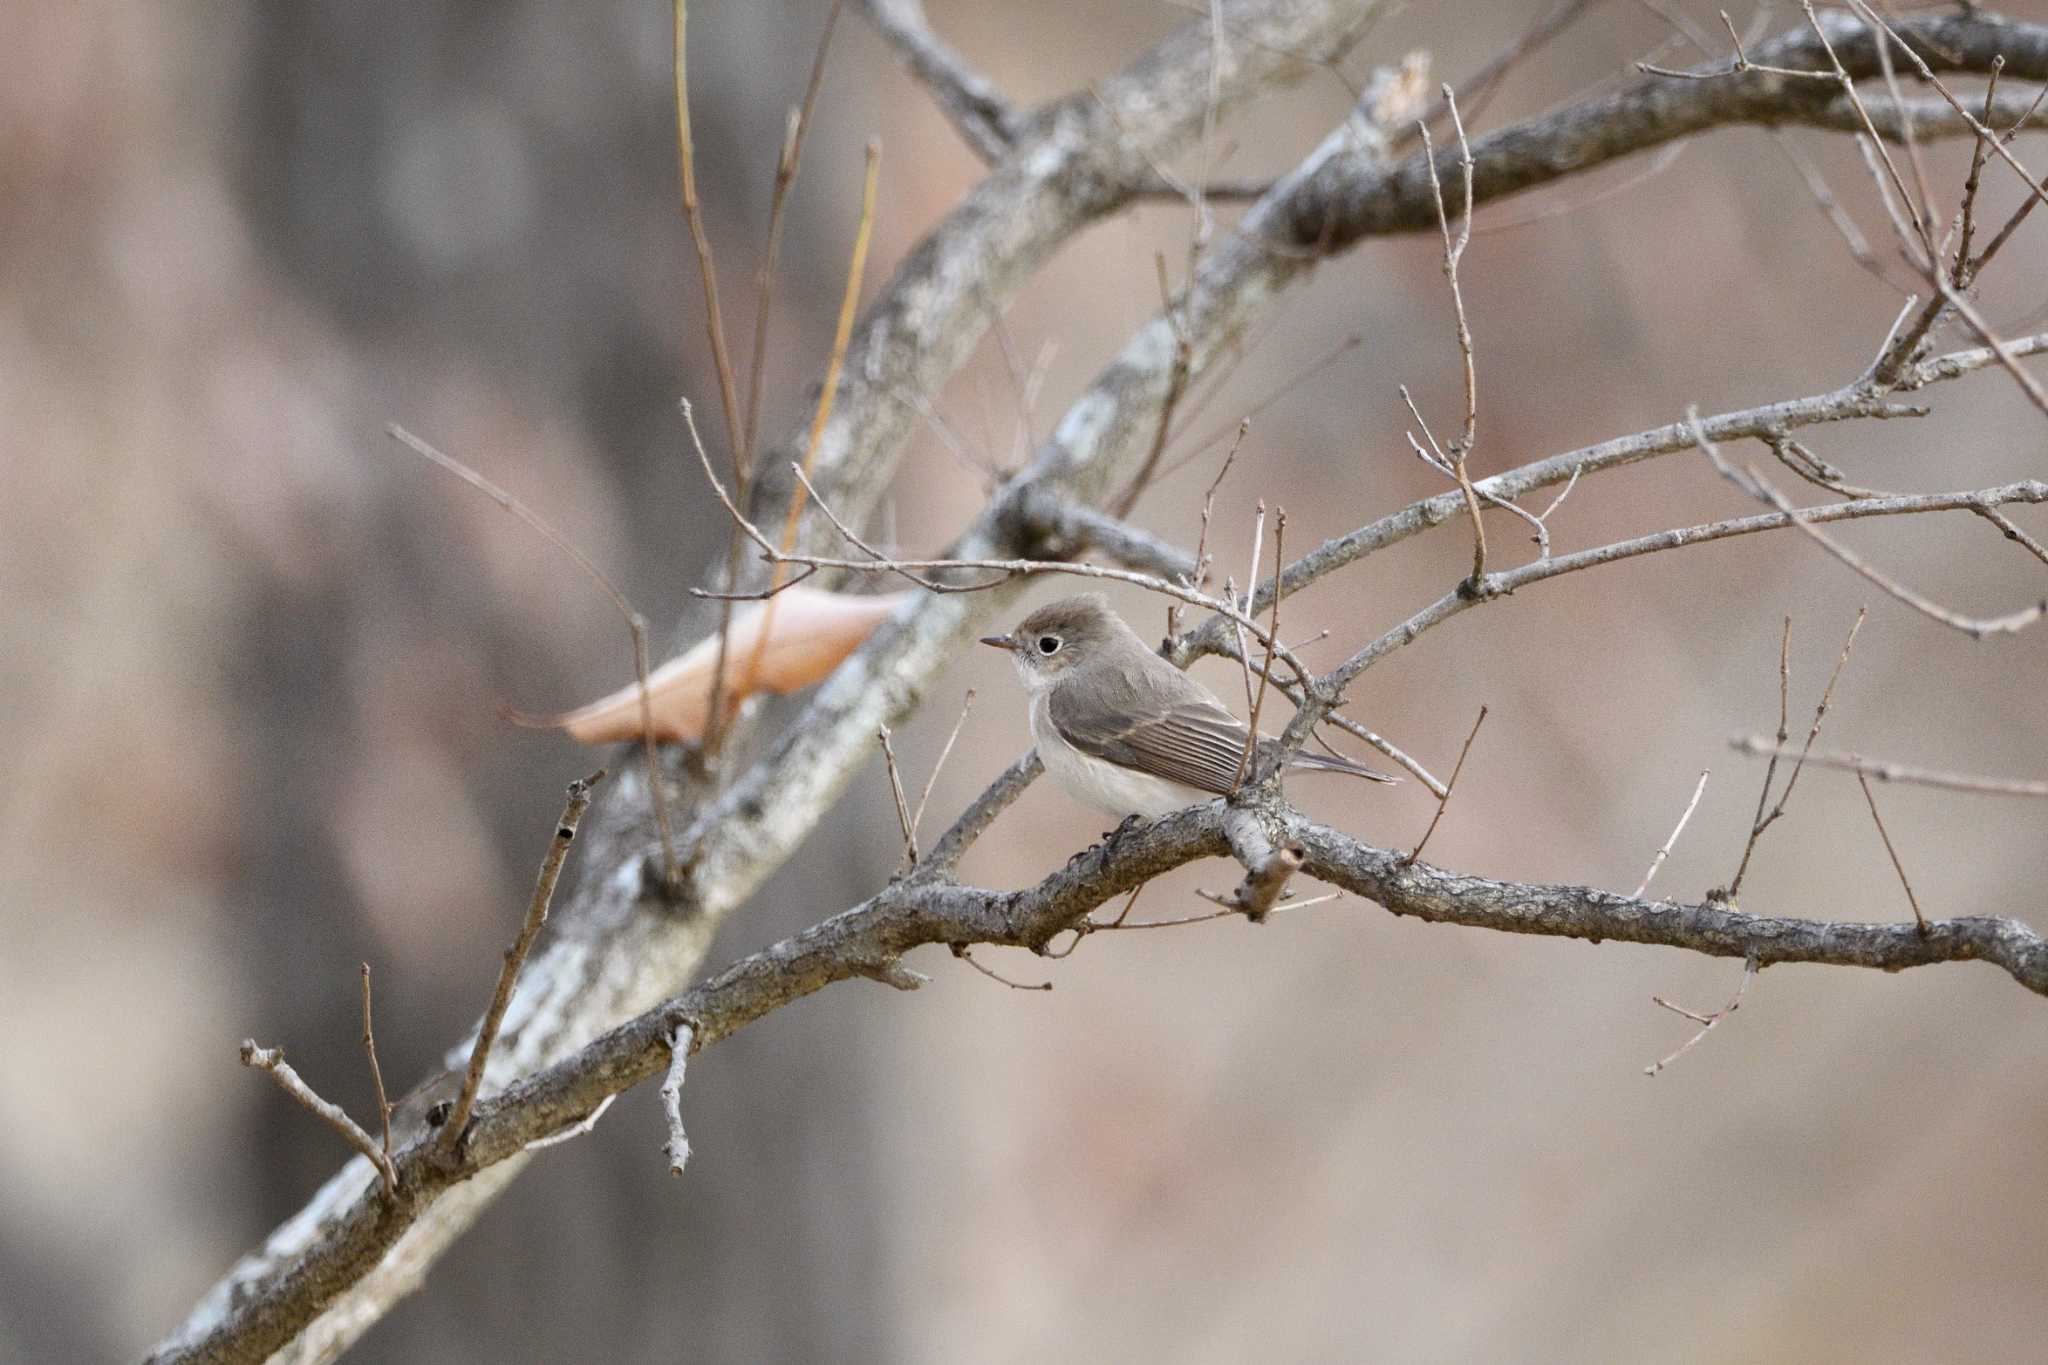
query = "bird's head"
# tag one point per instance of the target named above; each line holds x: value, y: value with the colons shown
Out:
x: 1062, y: 636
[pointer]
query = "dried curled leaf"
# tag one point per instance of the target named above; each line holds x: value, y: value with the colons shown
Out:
x: 790, y: 641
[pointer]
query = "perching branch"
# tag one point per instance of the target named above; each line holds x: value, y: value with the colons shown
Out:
x: 929, y: 910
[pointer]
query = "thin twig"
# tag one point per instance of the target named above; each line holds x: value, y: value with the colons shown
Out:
x: 1676, y: 830
x: 1225, y: 606
x: 376, y: 1071
x: 1831, y: 208
x: 1966, y: 216
x: 1230, y: 911
x: 849, y: 304
x: 1449, y: 787
x: 786, y: 163
x: 1563, y: 206
x: 1251, y: 742
x: 786, y: 166
x: 1385, y: 746
x: 917, y: 816
x: 1763, y: 796
x: 1855, y: 401
x: 2014, y: 534
x: 574, y: 1130
x: 677, y: 1148
x: 635, y: 623
x: 707, y: 271
x: 2005, y: 351
x: 271, y: 1060
x: 1766, y: 820
x: 1026, y: 439
x: 1754, y: 484
x: 1201, y: 574
x: 2012, y: 224
x: 1758, y: 746
x: 515, y: 956
x: 1705, y: 1021
x: 1977, y: 628
x: 1204, y: 222
x: 1332, y: 684
x: 1923, y: 209
x: 1872, y: 144
x: 1454, y: 251
x: 1286, y: 388
x: 2037, y: 188
x: 896, y: 790
x: 960, y: 951
x: 853, y: 538
x: 1897, y: 866
x: 1480, y: 86
x: 1897, y: 353
x: 1176, y: 387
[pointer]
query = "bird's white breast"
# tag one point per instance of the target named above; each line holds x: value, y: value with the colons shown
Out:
x: 1099, y: 783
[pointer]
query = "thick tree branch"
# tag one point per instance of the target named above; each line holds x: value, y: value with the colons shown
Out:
x: 1656, y: 110
x: 930, y: 910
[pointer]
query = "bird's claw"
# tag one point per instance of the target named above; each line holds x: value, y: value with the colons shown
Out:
x: 1109, y: 838
x: 1125, y: 826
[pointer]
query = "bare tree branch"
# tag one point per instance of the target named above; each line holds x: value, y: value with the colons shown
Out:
x: 978, y: 111
x: 928, y: 910
x: 333, y: 1269
x: 1757, y: 746
x: 271, y: 1061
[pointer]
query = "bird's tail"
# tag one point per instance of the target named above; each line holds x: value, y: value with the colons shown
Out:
x: 1320, y: 763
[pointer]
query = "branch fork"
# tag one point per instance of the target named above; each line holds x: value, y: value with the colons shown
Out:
x: 1269, y: 857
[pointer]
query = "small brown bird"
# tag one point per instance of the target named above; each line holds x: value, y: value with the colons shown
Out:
x: 1120, y: 728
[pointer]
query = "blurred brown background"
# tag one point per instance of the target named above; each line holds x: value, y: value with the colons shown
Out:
x: 250, y: 657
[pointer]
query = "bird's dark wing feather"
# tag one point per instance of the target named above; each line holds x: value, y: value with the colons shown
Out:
x: 1178, y: 731
x: 1323, y: 763
x: 1194, y: 741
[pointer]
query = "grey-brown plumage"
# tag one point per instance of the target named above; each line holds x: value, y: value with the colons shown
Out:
x: 1117, y: 725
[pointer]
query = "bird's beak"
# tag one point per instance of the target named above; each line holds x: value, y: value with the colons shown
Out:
x: 998, y: 641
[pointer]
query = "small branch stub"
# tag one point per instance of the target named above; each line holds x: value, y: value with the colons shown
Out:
x: 1268, y: 866
x: 271, y: 1060
x: 678, y: 1146
x: 515, y: 956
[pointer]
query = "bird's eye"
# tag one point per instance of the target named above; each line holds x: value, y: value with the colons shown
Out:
x: 1048, y: 644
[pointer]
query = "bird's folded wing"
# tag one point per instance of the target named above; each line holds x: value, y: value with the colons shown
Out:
x: 1195, y: 743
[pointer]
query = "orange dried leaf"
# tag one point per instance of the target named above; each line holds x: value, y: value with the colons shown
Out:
x: 808, y: 634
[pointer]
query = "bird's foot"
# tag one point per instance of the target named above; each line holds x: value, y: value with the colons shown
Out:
x: 1109, y: 838
x: 1125, y: 826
